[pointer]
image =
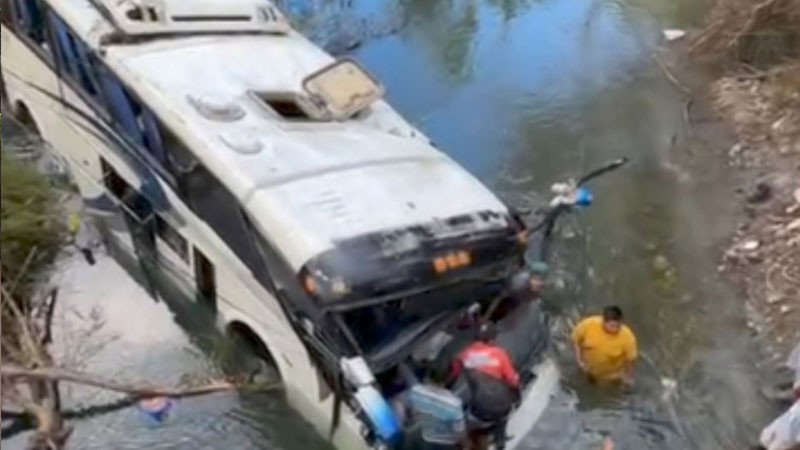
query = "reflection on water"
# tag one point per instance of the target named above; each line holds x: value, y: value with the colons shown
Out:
x: 524, y: 93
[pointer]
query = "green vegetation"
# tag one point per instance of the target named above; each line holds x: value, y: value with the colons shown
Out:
x: 32, y: 230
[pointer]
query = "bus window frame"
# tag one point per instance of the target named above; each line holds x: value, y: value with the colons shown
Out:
x: 96, y: 103
x: 173, y: 238
x: 11, y: 21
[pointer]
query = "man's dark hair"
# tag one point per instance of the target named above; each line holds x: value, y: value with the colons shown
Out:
x: 612, y: 312
x: 439, y: 373
x: 487, y: 332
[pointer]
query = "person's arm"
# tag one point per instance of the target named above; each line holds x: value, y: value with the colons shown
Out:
x: 510, y: 374
x: 577, y: 341
x: 631, y: 354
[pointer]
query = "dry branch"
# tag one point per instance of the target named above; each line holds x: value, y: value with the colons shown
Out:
x: 133, y: 390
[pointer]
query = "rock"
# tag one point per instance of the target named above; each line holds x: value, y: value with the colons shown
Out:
x: 797, y: 196
x: 661, y: 263
x: 754, y: 258
x: 793, y: 225
x: 750, y: 245
x: 786, y: 309
x: 760, y: 193
x: 736, y: 150
x: 778, y: 125
x: 774, y: 297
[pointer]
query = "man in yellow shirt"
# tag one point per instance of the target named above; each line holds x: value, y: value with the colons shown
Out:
x: 605, y: 347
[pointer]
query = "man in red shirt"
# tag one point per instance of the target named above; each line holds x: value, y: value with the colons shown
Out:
x: 494, y: 387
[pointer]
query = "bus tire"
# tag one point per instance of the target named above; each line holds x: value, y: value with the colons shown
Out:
x: 255, y: 359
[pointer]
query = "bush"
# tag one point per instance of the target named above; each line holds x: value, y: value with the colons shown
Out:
x: 30, y: 221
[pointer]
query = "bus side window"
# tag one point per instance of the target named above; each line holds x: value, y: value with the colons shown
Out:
x: 122, y: 108
x: 132, y: 118
x: 29, y: 17
x: 152, y: 136
x: 65, y: 50
x: 75, y: 58
x: 172, y: 238
x: 178, y: 160
x: 87, y: 66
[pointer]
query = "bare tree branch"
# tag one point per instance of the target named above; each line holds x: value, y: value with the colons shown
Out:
x: 136, y: 391
x: 22, y: 270
x: 49, y: 308
x: 27, y: 337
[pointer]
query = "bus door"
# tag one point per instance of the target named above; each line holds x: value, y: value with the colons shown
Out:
x: 173, y: 254
x: 139, y: 219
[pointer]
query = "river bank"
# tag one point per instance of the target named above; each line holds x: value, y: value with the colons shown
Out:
x: 757, y: 95
x: 763, y: 259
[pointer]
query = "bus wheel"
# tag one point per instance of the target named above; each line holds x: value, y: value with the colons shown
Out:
x: 250, y: 357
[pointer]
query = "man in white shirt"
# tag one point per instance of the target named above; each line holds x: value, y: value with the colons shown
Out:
x: 784, y: 432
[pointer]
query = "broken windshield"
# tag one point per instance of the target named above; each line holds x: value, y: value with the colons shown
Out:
x: 388, y: 332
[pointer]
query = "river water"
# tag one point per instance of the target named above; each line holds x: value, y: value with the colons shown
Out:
x: 522, y: 93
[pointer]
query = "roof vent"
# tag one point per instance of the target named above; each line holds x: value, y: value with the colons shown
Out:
x: 288, y: 105
x: 217, y: 108
x: 342, y: 89
x: 244, y: 142
x: 338, y: 91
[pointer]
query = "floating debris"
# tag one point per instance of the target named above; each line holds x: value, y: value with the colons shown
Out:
x: 673, y: 34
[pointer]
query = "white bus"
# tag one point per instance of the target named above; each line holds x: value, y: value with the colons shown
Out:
x: 272, y: 183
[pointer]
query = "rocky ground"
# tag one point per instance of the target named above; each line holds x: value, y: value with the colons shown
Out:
x: 763, y: 259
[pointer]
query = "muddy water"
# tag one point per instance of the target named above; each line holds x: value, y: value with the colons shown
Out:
x: 524, y: 93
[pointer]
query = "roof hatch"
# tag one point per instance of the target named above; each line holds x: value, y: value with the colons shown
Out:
x: 335, y: 92
x: 149, y: 17
x: 342, y: 89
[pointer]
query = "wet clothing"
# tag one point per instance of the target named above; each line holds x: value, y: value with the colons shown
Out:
x: 784, y: 432
x: 606, y: 355
x: 487, y: 359
x: 793, y: 362
x: 440, y: 414
x: 493, y: 386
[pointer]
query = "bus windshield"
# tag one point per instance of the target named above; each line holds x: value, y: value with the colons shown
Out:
x: 388, y: 332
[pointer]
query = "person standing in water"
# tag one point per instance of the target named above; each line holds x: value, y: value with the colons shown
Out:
x: 494, y: 387
x: 439, y: 412
x: 605, y: 348
x: 784, y: 432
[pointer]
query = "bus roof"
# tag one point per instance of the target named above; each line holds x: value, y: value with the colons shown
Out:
x: 307, y: 183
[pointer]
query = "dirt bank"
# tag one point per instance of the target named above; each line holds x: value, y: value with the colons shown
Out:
x: 763, y: 259
x: 757, y: 47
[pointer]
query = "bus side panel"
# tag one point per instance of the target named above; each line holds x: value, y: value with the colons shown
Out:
x: 32, y: 83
